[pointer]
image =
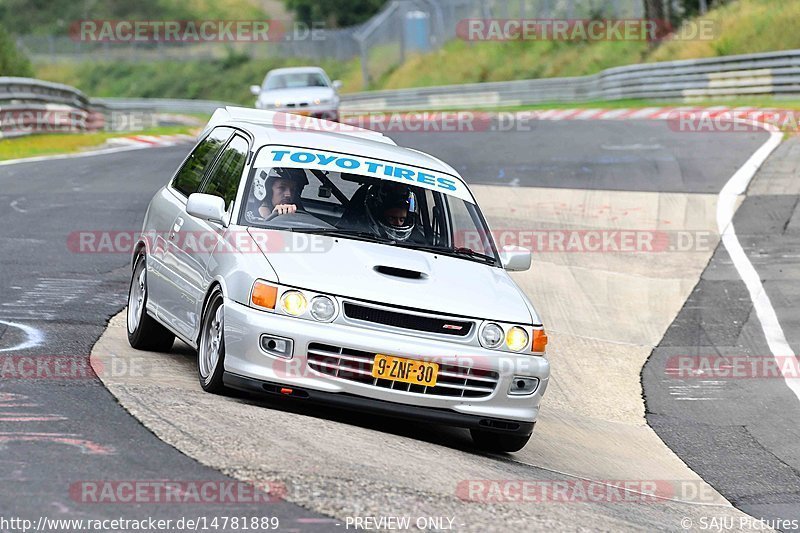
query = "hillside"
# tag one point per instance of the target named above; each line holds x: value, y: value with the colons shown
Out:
x: 745, y: 26
x: 740, y: 27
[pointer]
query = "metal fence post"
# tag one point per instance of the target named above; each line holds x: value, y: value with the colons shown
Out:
x: 364, y: 65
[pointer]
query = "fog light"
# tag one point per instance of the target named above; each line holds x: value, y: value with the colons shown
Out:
x: 322, y: 308
x: 277, y: 346
x: 521, y: 386
x: 294, y: 303
x: 491, y: 335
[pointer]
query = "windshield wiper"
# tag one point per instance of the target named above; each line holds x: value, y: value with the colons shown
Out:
x: 460, y: 252
x: 336, y: 232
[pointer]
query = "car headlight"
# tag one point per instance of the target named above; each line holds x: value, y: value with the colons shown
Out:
x: 322, y: 308
x: 491, y: 335
x: 323, y: 101
x: 294, y: 303
x: 516, y: 339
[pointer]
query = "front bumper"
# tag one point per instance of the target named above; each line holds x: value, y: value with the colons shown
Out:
x: 379, y: 407
x: 248, y: 367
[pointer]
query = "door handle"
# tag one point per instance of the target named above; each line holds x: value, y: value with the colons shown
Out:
x: 176, y: 227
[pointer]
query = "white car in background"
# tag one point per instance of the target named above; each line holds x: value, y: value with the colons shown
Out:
x: 304, y: 91
x: 382, y: 292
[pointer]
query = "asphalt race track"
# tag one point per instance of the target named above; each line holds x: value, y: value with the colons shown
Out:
x: 59, y: 432
x: 606, y: 313
x: 748, y: 451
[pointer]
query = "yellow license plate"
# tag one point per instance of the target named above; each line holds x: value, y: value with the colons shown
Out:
x: 302, y: 113
x: 405, y: 370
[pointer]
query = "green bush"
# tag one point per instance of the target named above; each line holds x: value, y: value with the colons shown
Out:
x: 12, y: 61
x: 228, y: 78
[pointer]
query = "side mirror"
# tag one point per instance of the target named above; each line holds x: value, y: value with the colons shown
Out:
x: 337, y: 84
x: 206, y: 207
x: 255, y: 90
x: 515, y: 258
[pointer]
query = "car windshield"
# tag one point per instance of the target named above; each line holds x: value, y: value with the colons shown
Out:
x: 295, y: 80
x: 366, y: 208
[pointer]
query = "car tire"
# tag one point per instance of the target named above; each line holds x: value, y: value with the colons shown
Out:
x: 144, y: 332
x: 491, y: 441
x: 211, y: 344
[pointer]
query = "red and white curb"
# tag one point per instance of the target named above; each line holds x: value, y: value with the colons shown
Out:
x: 145, y: 141
x: 682, y: 118
x: 112, y: 146
x: 659, y: 113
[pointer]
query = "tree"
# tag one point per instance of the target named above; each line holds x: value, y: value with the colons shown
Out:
x: 654, y: 9
x: 12, y: 61
x: 337, y: 13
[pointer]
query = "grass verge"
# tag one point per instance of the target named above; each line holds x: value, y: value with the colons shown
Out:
x: 65, y: 143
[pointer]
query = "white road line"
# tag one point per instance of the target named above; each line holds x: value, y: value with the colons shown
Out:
x: 16, y: 207
x: 776, y: 339
x: 35, y: 337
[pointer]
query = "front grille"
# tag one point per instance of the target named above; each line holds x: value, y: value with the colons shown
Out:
x: 356, y: 365
x: 404, y: 320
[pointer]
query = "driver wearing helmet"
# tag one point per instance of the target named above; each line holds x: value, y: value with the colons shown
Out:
x: 280, y: 190
x: 390, y: 210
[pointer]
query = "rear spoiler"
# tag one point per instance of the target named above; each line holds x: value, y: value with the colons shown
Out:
x: 272, y: 118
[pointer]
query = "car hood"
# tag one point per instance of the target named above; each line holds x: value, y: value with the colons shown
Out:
x: 346, y: 267
x: 297, y: 95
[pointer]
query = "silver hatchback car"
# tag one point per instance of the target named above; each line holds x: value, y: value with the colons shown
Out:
x: 336, y: 267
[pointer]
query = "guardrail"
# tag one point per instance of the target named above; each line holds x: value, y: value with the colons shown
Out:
x: 161, y: 105
x: 29, y: 106
x: 764, y: 74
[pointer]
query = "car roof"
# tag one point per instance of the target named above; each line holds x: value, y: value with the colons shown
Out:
x: 266, y: 128
x: 295, y: 70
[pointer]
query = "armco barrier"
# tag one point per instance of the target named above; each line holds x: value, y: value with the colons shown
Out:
x: 161, y: 105
x: 765, y: 74
x: 771, y: 74
x: 28, y: 105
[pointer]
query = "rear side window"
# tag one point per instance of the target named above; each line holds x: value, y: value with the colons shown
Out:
x: 224, y: 179
x: 190, y: 175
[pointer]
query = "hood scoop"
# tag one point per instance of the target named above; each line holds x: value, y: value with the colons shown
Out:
x: 399, y: 272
